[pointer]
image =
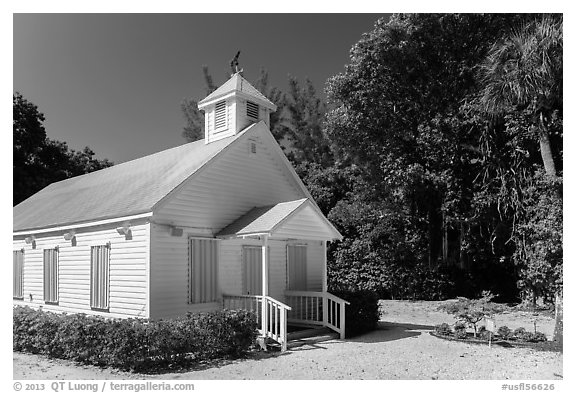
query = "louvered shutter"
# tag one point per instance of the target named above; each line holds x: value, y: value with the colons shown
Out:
x: 51, y: 275
x: 203, y: 271
x: 18, y: 274
x: 100, y: 278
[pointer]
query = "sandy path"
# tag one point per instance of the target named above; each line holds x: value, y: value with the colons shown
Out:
x: 400, y: 349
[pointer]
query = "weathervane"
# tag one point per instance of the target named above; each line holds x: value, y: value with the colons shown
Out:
x: 234, y: 64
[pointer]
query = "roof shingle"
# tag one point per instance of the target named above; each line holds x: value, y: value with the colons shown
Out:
x: 261, y: 219
x: 125, y: 189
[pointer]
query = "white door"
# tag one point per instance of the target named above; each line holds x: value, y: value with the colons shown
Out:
x: 297, y: 267
x: 252, y: 270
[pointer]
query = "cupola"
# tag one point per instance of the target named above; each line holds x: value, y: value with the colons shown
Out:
x: 232, y: 107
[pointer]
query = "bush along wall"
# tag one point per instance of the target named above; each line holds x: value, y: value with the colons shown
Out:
x: 134, y: 344
x: 362, y: 312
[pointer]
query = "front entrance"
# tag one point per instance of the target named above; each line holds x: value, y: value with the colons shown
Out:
x: 252, y: 270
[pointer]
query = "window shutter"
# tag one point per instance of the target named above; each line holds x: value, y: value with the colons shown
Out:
x: 100, y: 278
x: 203, y: 271
x: 51, y: 276
x: 18, y: 274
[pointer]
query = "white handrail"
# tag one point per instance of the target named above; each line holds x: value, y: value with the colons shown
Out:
x: 272, y: 316
x: 307, y: 310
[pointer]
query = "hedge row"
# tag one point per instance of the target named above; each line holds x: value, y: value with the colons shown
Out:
x: 362, y: 313
x: 134, y: 344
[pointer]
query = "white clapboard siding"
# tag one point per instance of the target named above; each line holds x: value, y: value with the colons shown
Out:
x: 128, y: 271
x: 169, y: 275
x: 229, y: 187
x: 304, y: 225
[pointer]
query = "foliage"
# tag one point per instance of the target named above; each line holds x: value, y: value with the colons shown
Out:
x: 460, y: 330
x: 362, y: 313
x: 38, y: 160
x: 520, y: 334
x: 485, y: 334
x: 134, y: 344
x: 471, y: 312
x: 443, y: 329
x: 539, y: 253
x: 194, y: 128
x: 504, y: 332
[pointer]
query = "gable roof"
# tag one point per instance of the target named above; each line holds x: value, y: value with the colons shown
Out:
x: 125, y: 189
x: 237, y: 84
x: 273, y: 220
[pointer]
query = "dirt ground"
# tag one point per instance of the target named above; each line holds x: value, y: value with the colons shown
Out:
x: 401, y: 348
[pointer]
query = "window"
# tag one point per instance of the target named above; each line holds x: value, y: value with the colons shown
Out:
x: 18, y: 274
x: 296, y: 265
x: 51, y: 275
x: 220, y: 116
x: 100, y: 277
x: 203, y: 271
x: 252, y: 110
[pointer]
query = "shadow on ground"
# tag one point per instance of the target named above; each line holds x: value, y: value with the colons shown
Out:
x: 386, y: 331
x: 255, y: 355
x: 389, y: 331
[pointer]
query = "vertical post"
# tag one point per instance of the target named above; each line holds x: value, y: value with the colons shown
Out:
x: 324, y: 285
x: 283, y: 329
x: 264, y: 283
x: 325, y: 269
x: 342, y: 320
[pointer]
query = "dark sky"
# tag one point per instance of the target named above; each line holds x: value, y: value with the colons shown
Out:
x: 115, y: 82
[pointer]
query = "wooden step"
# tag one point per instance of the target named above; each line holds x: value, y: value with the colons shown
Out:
x: 312, y: 340
x: 305, y: 333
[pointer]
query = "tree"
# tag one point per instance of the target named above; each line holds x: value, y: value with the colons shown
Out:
x: 38, y: 160
x: 194, y: 128
x: 524, y: 70
x: 522, y: 77
x: 397, y: 112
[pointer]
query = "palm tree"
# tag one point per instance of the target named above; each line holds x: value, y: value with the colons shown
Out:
x: 525, y: 70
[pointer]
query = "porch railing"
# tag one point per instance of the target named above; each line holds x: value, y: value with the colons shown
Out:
x: 317, y: 308
x: 272, y: 322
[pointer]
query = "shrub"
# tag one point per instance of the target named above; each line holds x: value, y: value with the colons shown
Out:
x: 134, y: 344
x: 504, y: 332
x: 460, y: 330
x: 521, y: 334
x: 362, y: 313
x: 443, y: 329
x: 484, y: 334
x: 472, y: 311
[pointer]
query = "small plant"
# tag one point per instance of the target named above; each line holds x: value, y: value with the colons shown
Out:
x: 443, y: 329
x: 484, y: 334
x: 460, y: 330
x: 538, y: 337
x: 521, y: 334
x: 504, y: 332
x: 472, y: 311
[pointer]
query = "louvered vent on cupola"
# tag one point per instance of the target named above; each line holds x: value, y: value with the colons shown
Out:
x: 252, y: 110
x: 220, y: 115
x: 232, y: 107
